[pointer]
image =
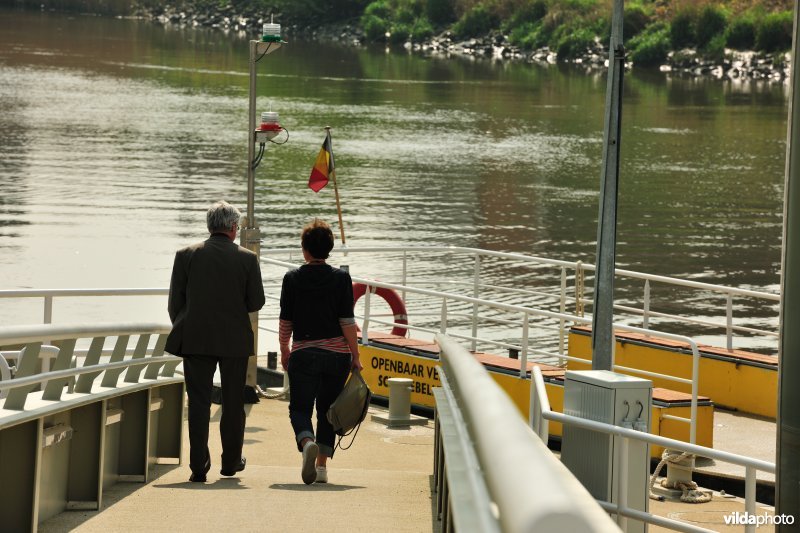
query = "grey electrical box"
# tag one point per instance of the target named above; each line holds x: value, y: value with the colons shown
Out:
x: 616, y: 399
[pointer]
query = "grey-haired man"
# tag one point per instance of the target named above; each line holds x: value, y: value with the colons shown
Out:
x: 215, y: 284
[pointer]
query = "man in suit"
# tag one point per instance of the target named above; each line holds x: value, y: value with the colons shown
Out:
x: 215, y: 284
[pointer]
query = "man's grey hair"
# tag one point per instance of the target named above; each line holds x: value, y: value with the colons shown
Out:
x: 221, y: 217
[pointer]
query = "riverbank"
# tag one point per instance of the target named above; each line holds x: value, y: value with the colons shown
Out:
x: 743, y: 40
x: 734, y: 65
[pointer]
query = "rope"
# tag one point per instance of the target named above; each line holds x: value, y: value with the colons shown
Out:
x: 261, y: 393
x: 689, y: 488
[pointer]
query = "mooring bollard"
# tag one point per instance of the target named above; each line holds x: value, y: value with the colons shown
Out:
x: 400, y: 398
x: 400, y: 405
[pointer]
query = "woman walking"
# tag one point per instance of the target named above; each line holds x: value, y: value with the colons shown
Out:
x: 317, y: 314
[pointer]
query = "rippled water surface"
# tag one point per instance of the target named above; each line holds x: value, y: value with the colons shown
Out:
x: 117, y: 134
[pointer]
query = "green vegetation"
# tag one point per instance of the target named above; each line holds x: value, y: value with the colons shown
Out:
x: 567, y: 26
x: 651, y: 27
x: 303, y: 12
x: 476, y: 22
x: 774, y: 33
x: 742, y: 33
x: 400, y: 20
x: 711, y: 23
x: 682, y: 30
x: 650, y: 47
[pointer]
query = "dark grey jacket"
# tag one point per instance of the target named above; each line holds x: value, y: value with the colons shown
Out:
x: 215, y: 284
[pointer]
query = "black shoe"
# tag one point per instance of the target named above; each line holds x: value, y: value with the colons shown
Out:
x: 197, y: 478
x: 239, y: 468
x: 200, y: 477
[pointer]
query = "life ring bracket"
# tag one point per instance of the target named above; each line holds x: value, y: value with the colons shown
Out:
x: 391, y: 297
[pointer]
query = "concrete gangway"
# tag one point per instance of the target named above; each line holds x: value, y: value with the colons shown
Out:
x: 382, y: 483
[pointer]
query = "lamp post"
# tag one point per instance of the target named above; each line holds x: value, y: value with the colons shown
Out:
x: 603, y: 309
x: 250, y: 236
x: 787, y: 460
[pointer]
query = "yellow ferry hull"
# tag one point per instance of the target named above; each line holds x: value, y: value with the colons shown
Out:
x: 732, y: 379
x: 382, y: 362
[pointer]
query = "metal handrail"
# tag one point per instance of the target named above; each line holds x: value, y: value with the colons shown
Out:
x: 72, y: 372
x: 646, y: 313
x: 541, y: 409
x: 527, y: 312
x: 56, y: 379
x: 34, y: 333
x: 540, y: 260
x: 530, y: 487
x: 42, y: 293
x: 50, y: 294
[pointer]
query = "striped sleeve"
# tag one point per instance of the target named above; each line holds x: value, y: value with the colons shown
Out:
x: 284, y: 331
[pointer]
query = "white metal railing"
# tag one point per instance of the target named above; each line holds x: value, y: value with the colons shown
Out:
x: 526, y: 313
x: 530, y: 488
x: 477, y: 285
x: 59, y: 425
x: 541, y: 413
x: 61, y: 368
x: 577, y: 269
x: 49, y: 295
x: 519, y: 315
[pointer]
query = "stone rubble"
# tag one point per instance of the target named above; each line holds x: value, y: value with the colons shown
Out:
x: 737, y: 65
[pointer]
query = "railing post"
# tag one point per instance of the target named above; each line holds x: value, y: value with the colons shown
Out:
x: 750, y: 496
x: 475, y: 294
x: 523, y: 359
x: 436, y: 443
x: 695, y: 386
x: 562, y: 308
x: 48, y: 310
x: 622, y: 483
x: 445, y: 507
x: 405, y: 266
x: 26, y: 366
x: 579, y: 280
x: 538, y: 405
x: 365, y: 328
x: 729, y: 322
x: 443, y: 325
x: 646, y: 305
x: 534, y: 409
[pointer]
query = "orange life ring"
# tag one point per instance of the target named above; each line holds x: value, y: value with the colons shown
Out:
x: 392, y: 298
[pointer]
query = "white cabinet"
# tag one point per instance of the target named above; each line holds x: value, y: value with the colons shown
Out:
x: 610, y: 398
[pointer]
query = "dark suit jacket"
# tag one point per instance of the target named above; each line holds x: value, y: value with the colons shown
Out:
x: 215, y: 284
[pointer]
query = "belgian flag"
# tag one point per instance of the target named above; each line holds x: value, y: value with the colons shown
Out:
x: 323, y: 166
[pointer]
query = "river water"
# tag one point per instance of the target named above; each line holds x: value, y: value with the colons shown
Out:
x: 117, y: 134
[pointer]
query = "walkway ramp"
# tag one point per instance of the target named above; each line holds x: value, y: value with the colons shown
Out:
x: 382, y: 483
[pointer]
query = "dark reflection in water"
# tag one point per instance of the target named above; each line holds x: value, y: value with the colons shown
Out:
x: 117, y: 134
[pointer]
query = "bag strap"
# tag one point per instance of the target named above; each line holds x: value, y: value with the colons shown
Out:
x: 354, y: 431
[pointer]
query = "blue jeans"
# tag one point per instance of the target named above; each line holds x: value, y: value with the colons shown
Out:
x: 315, y: 375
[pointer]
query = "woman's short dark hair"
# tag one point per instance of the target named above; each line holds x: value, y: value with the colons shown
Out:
x: 317, y: 239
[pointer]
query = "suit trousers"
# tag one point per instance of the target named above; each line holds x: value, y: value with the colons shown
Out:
x: 199, y: 374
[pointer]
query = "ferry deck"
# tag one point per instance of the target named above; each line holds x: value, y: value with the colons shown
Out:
x: 383, y: 483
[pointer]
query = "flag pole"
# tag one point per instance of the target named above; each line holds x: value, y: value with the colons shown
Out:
x: 335, y: 187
